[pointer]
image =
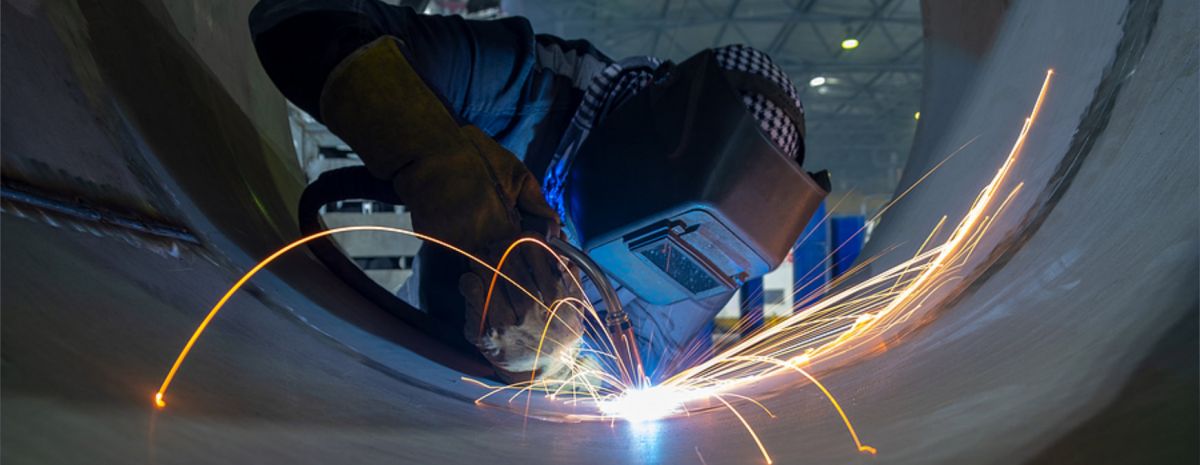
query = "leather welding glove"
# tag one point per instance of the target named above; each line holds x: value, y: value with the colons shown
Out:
x: 520, y: 337
x: 460, y: 186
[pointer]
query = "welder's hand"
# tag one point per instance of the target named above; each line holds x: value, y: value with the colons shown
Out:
x: 516, y: 324
x: 476, y: 196
x: 461, y: 186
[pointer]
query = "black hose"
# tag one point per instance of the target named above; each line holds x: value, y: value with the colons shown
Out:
x: 356, y: 182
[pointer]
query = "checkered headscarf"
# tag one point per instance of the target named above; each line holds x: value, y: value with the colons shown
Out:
x: 619, y: 82
x: 785, y: 133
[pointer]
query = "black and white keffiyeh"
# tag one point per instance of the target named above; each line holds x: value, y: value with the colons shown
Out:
x: 608, y: 90
x: 774, y: 122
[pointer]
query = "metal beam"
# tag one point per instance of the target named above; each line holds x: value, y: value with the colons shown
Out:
x: 791, y: 66
x: 623, y: 23
x: 666, y: 6
x: 725, y: 25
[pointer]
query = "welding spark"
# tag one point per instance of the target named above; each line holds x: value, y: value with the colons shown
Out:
x: 649, y: 404
x: 159, y: 400
x: 837, y: 324
x: 852, y: 319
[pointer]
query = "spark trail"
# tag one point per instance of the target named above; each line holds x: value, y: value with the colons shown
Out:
x: 849, y: 320
x: 159, y: 396
x: 841, y: 323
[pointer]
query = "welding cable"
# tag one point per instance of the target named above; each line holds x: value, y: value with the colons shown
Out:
x: 355, y: 182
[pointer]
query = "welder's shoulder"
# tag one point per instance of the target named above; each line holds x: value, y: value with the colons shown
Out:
x: 576, y: 60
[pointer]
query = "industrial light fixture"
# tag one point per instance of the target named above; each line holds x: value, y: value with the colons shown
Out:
x: 817, y: 81
x: 849, y: 43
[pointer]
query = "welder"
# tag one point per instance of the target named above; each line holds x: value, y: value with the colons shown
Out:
x: 681, y: 181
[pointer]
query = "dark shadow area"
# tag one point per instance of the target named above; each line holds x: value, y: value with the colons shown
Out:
x: 1155, y: 418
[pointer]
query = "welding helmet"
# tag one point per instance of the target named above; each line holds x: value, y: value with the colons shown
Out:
x: 680, y: 193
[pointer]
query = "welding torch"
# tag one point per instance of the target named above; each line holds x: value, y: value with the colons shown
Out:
x: 616, y: 321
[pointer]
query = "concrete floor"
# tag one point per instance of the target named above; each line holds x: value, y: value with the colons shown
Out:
x: 1071, y: 339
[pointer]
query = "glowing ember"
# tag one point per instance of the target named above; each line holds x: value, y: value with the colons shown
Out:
x: 648, y: 404
x: 851, y: 319
x: 844, y: 321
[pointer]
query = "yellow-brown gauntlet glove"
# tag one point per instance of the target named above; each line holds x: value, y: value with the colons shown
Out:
x: 461, y: 187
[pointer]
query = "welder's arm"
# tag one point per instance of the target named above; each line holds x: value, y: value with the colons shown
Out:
x: 398, y: 87
x: 460, y: 185
x: 449, y: 72
x: 485, y: 72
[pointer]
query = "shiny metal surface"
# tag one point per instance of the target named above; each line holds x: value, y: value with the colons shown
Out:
x: 159, y: 110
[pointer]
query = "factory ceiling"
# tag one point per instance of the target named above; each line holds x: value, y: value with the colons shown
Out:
x: 857, y: 64
x: 861, y: 102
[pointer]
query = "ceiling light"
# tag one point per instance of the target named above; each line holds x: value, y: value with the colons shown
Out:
x: 849, y: 43
x: 817, y: 81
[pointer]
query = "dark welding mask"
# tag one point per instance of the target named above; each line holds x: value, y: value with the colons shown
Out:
x: 678, y: 193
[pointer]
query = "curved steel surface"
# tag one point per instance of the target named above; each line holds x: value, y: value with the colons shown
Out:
x: 141, y: 112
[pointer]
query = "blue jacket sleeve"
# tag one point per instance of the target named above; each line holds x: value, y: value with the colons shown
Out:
x: 495, y: 74
x: 518, y: 87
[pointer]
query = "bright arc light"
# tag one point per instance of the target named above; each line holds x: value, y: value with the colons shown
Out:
x: 917, y: 116
x: 849, y: 43
x: 817, y: 81
x: 862, y: 313
x: 649, y: 404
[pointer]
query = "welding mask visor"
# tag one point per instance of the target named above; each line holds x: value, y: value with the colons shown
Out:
x: 679, y: 194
